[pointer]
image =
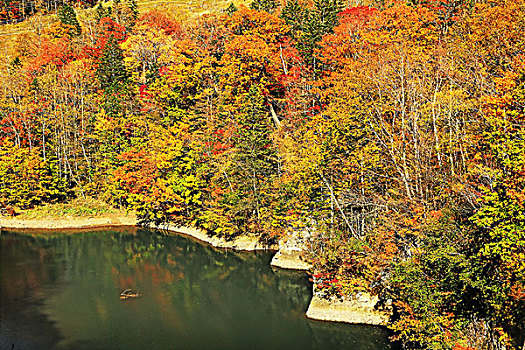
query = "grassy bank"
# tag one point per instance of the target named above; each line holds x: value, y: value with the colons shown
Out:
x: 77, y: 214
x: 79, y: 208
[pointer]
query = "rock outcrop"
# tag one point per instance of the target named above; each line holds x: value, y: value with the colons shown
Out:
x: 290, y: 252
x: 245, y: 243
x: 360, y: 310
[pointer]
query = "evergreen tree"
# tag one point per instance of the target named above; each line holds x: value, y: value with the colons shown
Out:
x: 67, y: 16
x: 129, y: 14
x: 320, y: 21
x: 294, y: 15
x: 101, y: 12
x: 231, y: 9
x: 113, y: 76
x: 133, y: 9
x: 111, y: 71
x: 264, y: 5
x: 254, y: 164
x: 325, y: 13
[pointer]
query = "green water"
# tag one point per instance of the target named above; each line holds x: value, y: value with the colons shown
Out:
x: 62, y: 292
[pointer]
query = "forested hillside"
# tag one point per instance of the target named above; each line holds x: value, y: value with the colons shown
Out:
x: 393, y: 133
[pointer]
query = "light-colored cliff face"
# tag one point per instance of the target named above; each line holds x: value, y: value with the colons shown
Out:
x: 359, y: 310
x: 245, y: 243
x: 290, y: 261
x: 290, y: 252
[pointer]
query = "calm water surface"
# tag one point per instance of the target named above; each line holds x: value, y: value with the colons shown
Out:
x: 62, y: 292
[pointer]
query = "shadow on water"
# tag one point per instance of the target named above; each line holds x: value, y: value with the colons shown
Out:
x: 62, y: 291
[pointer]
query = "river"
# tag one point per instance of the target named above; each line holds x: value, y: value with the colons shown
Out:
x: 61, y: 291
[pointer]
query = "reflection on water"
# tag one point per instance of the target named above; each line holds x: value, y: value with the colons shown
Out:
x: 62, y: 291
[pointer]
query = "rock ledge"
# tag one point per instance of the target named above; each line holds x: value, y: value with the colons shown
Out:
x: 357, y: 311
x: 290, y: 261
x: 244, y: 243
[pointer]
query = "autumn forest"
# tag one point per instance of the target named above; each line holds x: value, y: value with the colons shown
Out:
x: 391, y: 131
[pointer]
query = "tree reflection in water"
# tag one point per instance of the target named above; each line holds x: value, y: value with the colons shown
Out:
x: 66, y: 289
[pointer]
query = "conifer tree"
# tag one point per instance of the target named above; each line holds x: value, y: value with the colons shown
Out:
x: 325, y: 13
x: 264, y: 5
x: 294, y: 15
x: 111, y: 70
x: 112, y: 75
x: 67, y: 16
x: 133, y: 9
x: 129, y: 14
x: 101, y: 12
x: 254, y: 163
x: 231, y: 9
x: 320, y: 21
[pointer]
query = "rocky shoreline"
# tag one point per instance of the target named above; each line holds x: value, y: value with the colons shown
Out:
x: 243, y: 243
x: 359, y: 310
x: 290, y: 261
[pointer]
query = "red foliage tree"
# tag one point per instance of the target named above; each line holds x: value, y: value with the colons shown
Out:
x: 158, y: 20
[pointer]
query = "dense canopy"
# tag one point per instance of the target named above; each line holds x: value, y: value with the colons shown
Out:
x: 393, y: 133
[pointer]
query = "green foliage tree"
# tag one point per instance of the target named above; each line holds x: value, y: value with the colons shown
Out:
x: 294, y: 15
x: 101, y: 12
x: 264, y: 5
x: 28, y: 180
x: 231, y: 9
x: 67, y: 16
x: 253, y: 164
x: 319, y: 21
x: 113, y: 77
